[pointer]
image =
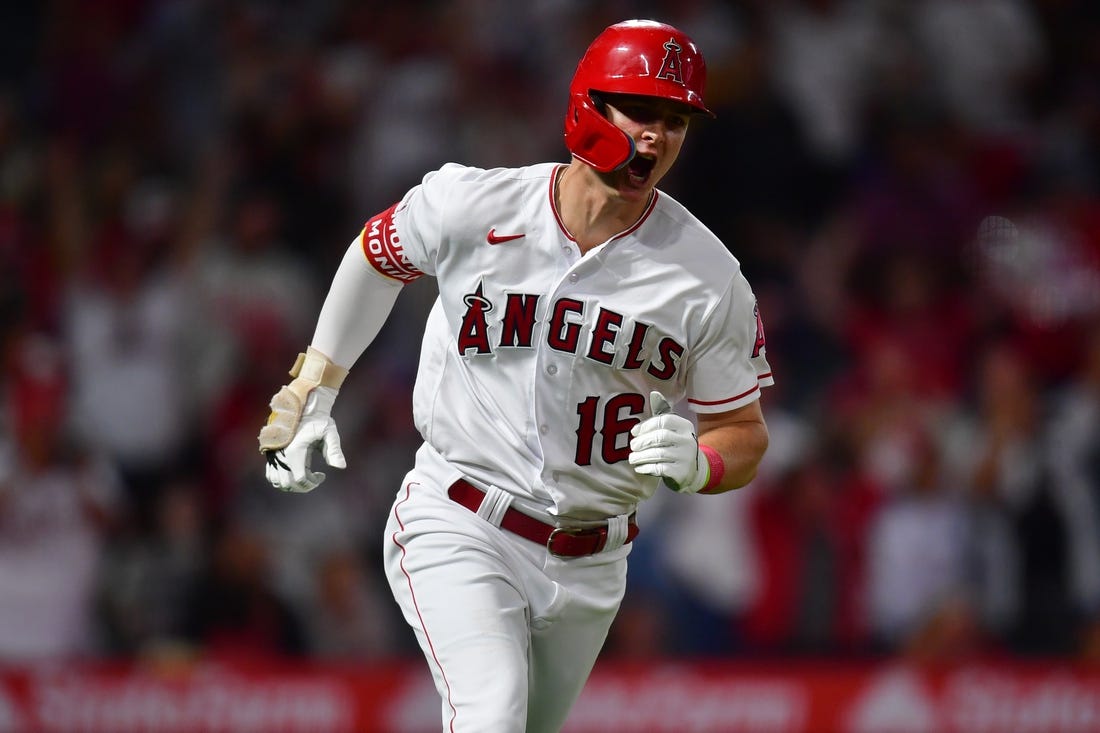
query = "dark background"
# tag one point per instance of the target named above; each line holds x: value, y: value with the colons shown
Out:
x: 179, y: 179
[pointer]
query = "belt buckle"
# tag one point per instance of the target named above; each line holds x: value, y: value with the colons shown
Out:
x: 572, y: 531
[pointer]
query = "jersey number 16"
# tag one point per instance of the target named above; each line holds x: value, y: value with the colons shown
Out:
x: 612, y: 426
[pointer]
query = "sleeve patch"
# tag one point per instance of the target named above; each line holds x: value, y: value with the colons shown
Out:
x: 383, y: 250
x: 759, y: 347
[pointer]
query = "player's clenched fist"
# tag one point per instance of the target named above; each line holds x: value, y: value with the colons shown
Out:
x: 665, y: 445
x: 300, y: 420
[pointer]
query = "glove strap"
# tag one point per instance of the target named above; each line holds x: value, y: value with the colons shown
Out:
x: 311, y: 371
x: 315, y: 367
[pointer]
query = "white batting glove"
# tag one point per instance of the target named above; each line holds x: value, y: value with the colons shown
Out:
x: 300, y: 420
x: 665, y: 445
x: 289, y: 469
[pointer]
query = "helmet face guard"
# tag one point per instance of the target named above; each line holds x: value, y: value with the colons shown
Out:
x: 637, y: 57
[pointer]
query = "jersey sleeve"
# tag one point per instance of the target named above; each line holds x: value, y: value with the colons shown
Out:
x: 730, y: 365
x: 402, y: 242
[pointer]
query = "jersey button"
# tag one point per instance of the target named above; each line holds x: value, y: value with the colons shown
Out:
x: 544, y: 429
x: 574, y: 277
x: 552, y: 369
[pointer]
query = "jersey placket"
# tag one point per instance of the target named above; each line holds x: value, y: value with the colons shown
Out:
x: 556, y: 366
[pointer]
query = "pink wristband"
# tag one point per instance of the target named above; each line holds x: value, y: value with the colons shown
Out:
x: 717, y: 468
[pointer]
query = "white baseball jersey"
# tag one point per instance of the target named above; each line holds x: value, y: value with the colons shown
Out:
x: 537, y: 360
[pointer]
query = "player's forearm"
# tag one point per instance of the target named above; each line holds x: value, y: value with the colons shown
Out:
x: 741, y: 446
x: 357, y: 305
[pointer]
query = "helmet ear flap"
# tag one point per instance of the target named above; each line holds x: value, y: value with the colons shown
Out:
x: 593, y: 138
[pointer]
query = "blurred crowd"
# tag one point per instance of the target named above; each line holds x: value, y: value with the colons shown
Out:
x: 911, y: 187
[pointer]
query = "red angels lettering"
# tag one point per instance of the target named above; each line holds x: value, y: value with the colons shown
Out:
x: 634, y: 350
x: 474, y: 331
x: 607, y: 327
x: 669, y: 352
x: 518, y: 326
x: 565, y: 325
x: 564, y: 335
x: 670, y: 65
x: 382, y: 247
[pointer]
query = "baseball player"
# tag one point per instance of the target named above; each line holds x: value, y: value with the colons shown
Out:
x: 577, y: 302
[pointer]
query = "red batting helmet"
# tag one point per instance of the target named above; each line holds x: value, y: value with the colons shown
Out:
x: 641, y: 57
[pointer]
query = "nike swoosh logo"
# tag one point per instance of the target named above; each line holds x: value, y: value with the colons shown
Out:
x: 494, y: 238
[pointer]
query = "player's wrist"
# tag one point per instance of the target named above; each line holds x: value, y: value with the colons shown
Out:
x: 715, y: 468
x: 316, y: 369
x: 315, y: 382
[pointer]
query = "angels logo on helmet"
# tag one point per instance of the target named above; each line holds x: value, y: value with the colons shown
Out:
x: 670, y: 66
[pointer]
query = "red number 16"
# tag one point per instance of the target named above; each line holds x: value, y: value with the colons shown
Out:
x: 615, y: 424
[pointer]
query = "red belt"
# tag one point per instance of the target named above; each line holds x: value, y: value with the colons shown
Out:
x: 560, y: 541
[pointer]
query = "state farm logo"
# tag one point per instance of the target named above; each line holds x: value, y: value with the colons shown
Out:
x: 680, y: 699
x: 211, y: 700
x: 978, y: 700
x: 895, y: 701
x: 981, y: 700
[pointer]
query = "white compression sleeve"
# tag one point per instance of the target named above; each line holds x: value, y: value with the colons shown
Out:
x: 358, y: 303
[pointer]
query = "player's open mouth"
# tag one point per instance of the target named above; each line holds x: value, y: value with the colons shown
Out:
x: 639, y: 168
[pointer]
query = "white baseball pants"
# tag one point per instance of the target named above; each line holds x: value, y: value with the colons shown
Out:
x: 509, y: 631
